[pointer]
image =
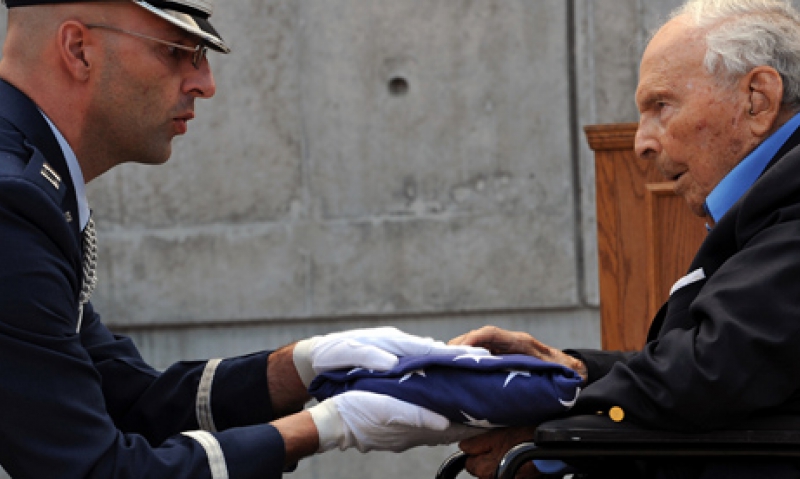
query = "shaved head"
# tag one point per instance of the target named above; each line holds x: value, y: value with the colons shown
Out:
x: 33, y: 29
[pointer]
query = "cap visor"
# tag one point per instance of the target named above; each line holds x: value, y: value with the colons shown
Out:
x: 194, y: 25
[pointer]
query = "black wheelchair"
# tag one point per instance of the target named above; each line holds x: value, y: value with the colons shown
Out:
x: 594, y: 446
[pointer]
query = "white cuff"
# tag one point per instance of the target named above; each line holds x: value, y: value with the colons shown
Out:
x: 301, y: 355
x: 330, y: 426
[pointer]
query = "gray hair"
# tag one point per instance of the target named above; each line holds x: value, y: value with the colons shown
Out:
x: 743, y: 34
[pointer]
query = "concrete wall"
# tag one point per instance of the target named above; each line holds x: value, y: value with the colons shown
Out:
x: 308, y: 190
x: 417, y: 164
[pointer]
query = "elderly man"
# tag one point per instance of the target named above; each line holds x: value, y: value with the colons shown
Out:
x: 85, y: 87
x: 718, y: 96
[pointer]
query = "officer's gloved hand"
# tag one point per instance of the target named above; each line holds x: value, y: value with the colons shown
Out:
x: 369, y: 421
x: 375, y: 348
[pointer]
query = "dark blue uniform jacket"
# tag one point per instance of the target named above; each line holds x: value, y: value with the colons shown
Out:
x: 84, y: 404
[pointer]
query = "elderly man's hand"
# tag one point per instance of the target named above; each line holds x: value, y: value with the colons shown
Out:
x: 486, y: 451
x: 500, y: 341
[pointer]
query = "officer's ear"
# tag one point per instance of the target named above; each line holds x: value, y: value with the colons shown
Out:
x: 765, y: 87
x: 76, y: 48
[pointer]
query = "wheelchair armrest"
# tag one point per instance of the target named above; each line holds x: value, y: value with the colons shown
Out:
x: 588, y: 437
x: 597, y: 429
x: 593, y: 436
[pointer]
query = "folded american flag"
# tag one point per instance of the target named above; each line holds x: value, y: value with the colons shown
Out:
x: 482, y: 391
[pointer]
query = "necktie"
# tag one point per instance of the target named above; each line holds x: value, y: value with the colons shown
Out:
x: 89, y: 246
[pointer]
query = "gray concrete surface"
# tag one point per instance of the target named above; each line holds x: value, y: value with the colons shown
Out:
x: 373, y: 162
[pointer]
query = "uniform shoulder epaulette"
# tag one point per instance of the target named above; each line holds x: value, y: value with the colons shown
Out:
x: 42, y: 173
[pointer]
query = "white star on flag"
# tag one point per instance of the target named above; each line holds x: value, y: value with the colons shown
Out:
x: 569, y: 404
x: 482, y: 423
x: 476, y: 357
x: 512, y: 374
x: 420, y: 372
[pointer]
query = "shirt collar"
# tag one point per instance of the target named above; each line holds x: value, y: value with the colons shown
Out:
x: 742, y: 177
x: 74, y: 172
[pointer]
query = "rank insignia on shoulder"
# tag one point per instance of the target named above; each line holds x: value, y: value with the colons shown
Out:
x: 50, y: 175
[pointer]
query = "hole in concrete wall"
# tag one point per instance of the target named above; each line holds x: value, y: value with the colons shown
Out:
x: 398, y: 86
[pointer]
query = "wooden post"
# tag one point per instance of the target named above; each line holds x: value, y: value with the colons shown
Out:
x: 646, y: 236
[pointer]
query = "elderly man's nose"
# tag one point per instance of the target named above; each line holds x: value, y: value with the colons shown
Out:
x: 645, y: 145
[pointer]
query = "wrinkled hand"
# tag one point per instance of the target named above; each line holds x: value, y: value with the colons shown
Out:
x: 369, y: 421
x: 487, y: 450
x: 377, y: 349
x: 500, y: 341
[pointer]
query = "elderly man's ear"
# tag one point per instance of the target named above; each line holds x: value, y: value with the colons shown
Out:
x: 765, y: 96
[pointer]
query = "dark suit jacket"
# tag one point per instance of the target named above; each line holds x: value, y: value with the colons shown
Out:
x: 725, y: 347
x: 85, y: 405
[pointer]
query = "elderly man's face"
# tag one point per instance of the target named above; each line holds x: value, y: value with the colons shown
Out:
x: 690, y: 125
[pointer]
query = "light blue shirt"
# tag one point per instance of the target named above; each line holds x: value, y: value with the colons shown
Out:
x: 742, y: 177
x: 75, y: 173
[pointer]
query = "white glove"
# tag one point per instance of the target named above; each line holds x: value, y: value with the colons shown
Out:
x: 369, y: 421
x: 376, y: 349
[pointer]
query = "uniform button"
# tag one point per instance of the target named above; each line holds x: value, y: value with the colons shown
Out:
x: 616, y: 414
